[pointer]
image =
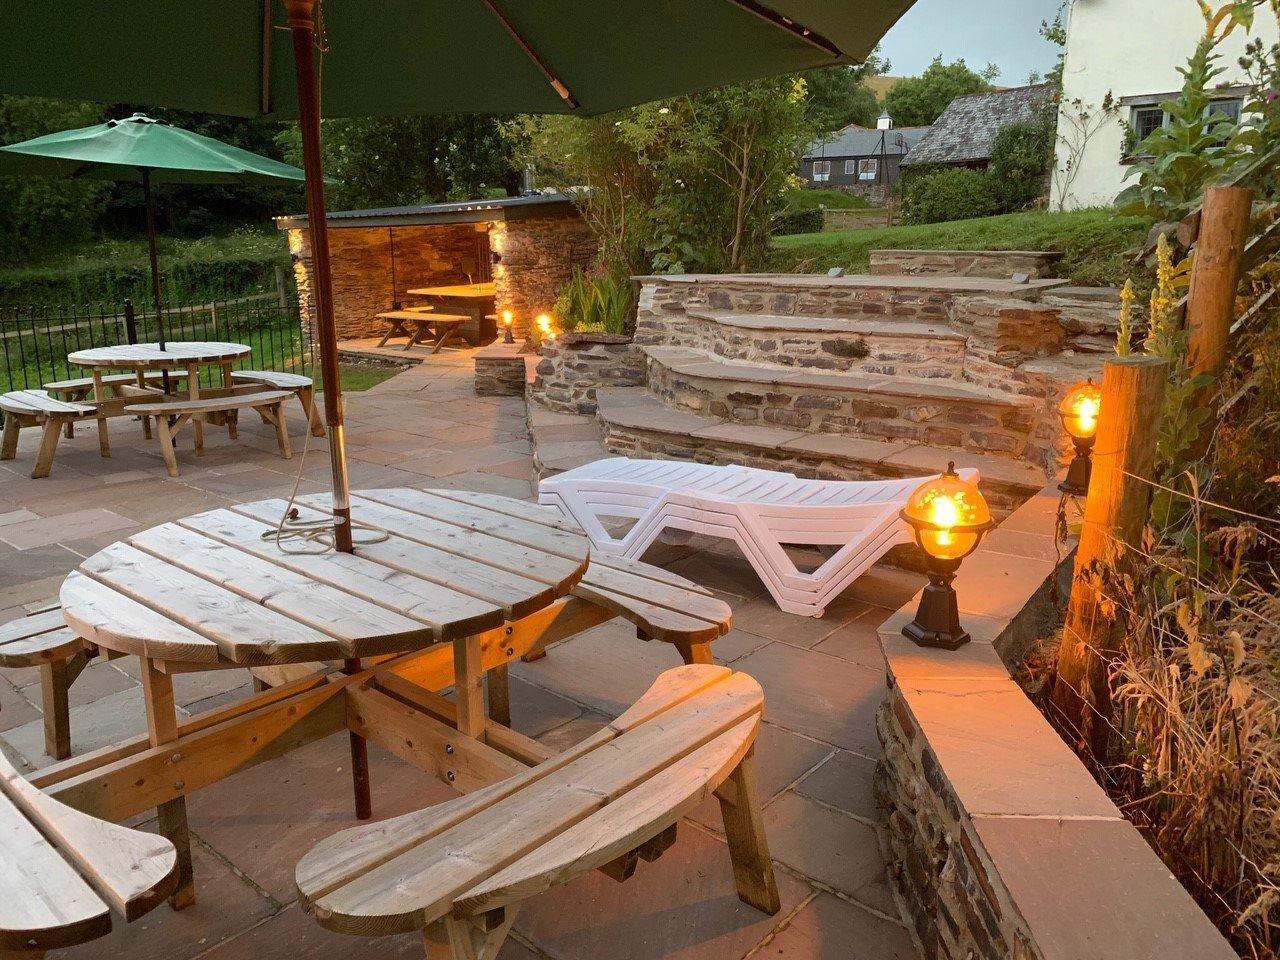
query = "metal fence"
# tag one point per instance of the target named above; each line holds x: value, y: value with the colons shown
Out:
x: 35, y: 341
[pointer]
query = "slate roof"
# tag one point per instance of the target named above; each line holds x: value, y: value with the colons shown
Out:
x: 465, y: 211
x: 855, y: 141
x: 966, y: 131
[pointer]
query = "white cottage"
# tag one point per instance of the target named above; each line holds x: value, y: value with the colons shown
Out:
x: 1130, y: 50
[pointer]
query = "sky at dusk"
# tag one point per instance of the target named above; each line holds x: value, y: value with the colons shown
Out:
x: 1003, y: 32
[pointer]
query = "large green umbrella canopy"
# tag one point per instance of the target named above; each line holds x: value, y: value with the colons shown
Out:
x: 424, y: 56
x: 144, y: 150
x: 124, y: 149
x: 390, y: 57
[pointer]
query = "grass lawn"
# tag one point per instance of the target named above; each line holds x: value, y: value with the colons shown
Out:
x: 1093, y: 243
x: 357, y: 377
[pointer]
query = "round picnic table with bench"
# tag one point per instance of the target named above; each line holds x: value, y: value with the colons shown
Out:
x: 444, y: 589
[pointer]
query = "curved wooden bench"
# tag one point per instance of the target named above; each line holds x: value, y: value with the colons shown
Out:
x: 172, y: 415
x: 458, y: 870
x: 302, y: 387
x: 44, y: 640
x: 38, y: 408
x: 81, y: 387
x: 64, y: 873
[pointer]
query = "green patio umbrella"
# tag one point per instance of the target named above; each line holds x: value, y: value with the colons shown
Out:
x: 412, y: 57
x: 147, y: 151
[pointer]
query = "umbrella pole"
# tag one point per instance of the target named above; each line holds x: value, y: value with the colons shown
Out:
x: 302, y: 26
x: 155, y: 266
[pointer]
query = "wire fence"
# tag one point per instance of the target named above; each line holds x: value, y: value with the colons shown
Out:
x: 35, y: 341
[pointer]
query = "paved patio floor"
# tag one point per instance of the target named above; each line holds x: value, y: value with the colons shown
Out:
x: 423, y: 428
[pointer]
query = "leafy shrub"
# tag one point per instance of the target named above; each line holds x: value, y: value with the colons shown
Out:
x: 798, y: 221
x: 958, y: 194
x: 602, y: 304
x: 1020, y: 160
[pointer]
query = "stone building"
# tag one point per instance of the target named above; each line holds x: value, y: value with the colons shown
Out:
x: 528, y: 247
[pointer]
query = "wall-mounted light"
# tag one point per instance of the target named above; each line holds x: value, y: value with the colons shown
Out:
x: 948, y: 517
x: 1079, y: 411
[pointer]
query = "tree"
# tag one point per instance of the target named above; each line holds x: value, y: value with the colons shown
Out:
x: 37, y: 213
x: 919, y: 101
x: 381, y: 161
x: 840, y: 95
x: 689, y: 184
x: 1021, y: 158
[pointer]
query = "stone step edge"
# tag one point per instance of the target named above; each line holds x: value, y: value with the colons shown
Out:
x: 915, y: 329
x: 634, y: 408
x: 680, y: 359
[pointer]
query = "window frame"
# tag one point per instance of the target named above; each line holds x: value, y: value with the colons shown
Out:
x: 869, y: 168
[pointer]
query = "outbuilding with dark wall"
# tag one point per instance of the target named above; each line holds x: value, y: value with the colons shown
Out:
x: 528, y: 246
x: 860, y: 160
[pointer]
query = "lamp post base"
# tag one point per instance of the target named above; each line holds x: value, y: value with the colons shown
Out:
x: 937, y: 622
x: 1076, y: 482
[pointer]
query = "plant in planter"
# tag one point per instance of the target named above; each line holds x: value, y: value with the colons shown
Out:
x: 601, y: 304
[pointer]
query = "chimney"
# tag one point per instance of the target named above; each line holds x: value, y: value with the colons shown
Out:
x: 885, y: 122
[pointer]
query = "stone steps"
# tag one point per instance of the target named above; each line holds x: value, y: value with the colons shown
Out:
x: 637, y: 424
x: 916, y: 348
x: 878, y: 407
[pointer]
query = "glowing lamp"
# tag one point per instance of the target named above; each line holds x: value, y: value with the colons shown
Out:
x: 544, y: 327
x: 508, y: 318
x: 1079, y: 411
x: 948, y: 517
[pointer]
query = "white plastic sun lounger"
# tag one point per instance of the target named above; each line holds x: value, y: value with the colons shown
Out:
x: 760, y: 510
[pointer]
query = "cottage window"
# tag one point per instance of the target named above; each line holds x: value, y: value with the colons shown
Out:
x: 868, y: 169
x: 849, y: 167
x: 821, y: 170
x: 1146, y: 120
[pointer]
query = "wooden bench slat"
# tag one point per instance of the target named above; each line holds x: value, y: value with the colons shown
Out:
x: 450, y: 613
x: 207, y: 404
x: 244, y: 632
x: 274, y: 378
x: 424, y: 873
x: 634, y: 818
x: 131, y: 870
x: 114, y: 379
x: 39, y: 402
x: 42, y: 899
x: 33, y: 624
x: 57, y: 644
x: 517, y: 596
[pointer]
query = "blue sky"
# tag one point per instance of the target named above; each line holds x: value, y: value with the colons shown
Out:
x: 1003, y: 32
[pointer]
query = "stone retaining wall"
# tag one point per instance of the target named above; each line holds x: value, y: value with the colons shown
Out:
x: 915, y: 355
x: 1004, y: 845
x: 500, y: 370
x: 538, y: 256
x: 964, y: 263
x: 573, y: 365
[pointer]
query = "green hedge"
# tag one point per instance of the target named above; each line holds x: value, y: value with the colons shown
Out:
x: 797, y: 221
x: 957, y: 194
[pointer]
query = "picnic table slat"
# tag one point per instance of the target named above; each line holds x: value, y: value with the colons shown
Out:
x: 367, y: 628
x: 562, y: 543
x: 449, y: 613
x: 517, y: 596
x: 103, y: 615
x: 243, y: 631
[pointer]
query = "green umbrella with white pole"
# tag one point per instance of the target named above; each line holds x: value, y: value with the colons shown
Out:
x: 146, y: 151
x: 398, y: 57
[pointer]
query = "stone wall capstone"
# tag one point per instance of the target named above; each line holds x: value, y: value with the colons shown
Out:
x: 964, y: 263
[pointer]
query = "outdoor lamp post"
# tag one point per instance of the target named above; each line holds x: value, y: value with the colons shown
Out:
x: 948, y: 516
x: 507, y: 319
x: 1079, y: 412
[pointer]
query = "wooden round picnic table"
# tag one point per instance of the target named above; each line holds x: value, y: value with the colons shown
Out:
x: 186, y: 355
x: 218, y: 589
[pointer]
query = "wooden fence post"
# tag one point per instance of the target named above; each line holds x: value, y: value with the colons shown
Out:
x: 1115, y: 512
x: 1215, y: 275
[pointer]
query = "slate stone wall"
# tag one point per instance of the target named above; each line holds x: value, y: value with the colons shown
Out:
x: 537, y: 259
x: 573, y: 365
x: 965, y: 263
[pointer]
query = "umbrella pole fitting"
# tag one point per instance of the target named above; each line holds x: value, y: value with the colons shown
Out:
x: 302, y: 26
x: 155, y: 266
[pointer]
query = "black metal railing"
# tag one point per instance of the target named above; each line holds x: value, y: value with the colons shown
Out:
x: 35, y: 341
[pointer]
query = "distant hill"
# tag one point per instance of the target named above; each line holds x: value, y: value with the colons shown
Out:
x: 880, y: 84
